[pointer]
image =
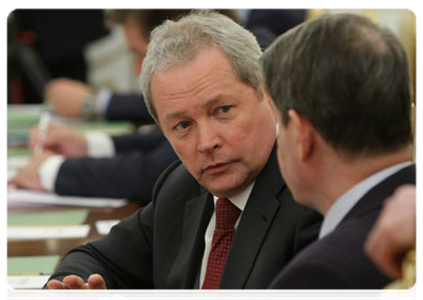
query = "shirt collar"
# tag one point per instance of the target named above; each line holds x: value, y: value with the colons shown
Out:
x: 347, y: 201
x: 239, y: 200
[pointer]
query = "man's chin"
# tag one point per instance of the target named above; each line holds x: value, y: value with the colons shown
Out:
x: 224, y: 188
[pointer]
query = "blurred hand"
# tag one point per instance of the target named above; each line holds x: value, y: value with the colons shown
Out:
x: 28, y: 177
x: 61, y: 140
x: 66, y: 96
x: 74, y: 288
x: 394, y: 233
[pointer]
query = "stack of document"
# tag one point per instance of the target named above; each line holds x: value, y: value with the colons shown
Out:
x: 47, y: 224
x: 30, y: 272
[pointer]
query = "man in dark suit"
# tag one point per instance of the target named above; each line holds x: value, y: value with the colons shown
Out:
x: 203, y: 85
x: 341, y: 85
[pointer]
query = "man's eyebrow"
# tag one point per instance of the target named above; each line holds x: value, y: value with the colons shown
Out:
x: 174, y: 115
x: 179, y: 114
x: 213, y: 101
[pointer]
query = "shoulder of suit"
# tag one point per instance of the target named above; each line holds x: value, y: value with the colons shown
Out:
x: 341, y: 254
x: 175, y: 180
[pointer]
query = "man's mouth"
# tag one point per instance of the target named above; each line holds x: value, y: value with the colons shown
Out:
x: 216, y: 168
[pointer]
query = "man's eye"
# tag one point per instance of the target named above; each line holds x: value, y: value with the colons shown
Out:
x: 182, y: 125
x: 224, y: 109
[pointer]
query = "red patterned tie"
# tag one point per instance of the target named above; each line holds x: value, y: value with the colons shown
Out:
x: 226, y: 216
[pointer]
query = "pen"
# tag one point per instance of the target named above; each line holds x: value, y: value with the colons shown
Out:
x: 42, y: 132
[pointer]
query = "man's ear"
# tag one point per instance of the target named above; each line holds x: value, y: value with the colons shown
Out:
x: 304, y: 134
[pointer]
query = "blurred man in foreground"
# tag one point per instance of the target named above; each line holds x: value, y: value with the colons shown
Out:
x: 341, y: 85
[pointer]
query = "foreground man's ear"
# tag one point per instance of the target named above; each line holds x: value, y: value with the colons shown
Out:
x: 304, y: 134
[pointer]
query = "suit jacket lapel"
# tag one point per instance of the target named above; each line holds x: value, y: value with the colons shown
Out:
x: 257, y: 218
x: 197, y: 215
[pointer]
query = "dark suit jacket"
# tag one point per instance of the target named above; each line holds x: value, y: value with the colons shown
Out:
x: 338, y: 261
x: 161, y: 246
x: 131, y: 174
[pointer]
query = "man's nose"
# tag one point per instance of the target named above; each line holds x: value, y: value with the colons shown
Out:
x: 208, y: 137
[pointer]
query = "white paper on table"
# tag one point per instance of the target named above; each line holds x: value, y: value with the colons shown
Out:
x: 104, y: 226
x: 46, y: 232
x: 27, y: 196
x: 27, y: 282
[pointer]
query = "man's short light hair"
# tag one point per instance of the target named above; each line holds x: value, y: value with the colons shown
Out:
x: 177, y: 43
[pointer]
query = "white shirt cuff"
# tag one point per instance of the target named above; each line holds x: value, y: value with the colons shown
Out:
x: 48, y: 171
x: 102, y: 100
x: 100, y: 144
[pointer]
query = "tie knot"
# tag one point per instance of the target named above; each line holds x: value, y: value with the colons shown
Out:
x: 226, y: 214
